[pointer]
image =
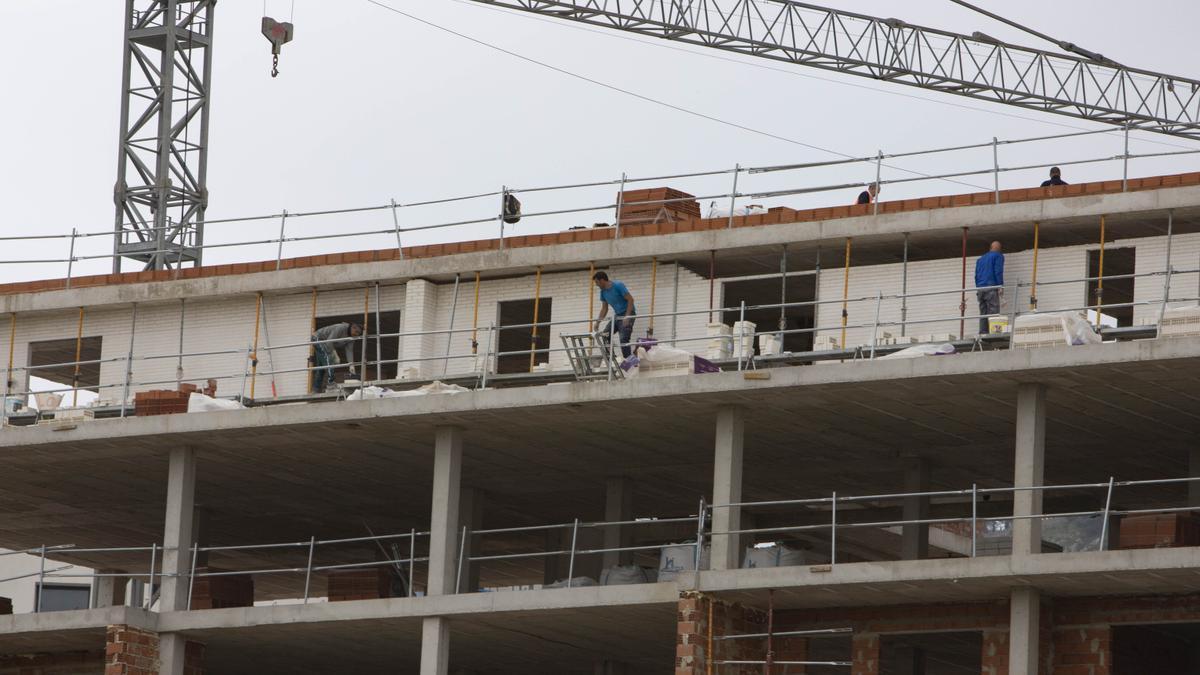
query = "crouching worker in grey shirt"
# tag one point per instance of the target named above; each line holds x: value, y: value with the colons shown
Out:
x: 327, y: 342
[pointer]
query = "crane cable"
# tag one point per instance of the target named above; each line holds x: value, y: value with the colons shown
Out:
x: 649, y: 99
x: 1062, y: 44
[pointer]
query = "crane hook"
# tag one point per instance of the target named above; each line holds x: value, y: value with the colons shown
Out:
x: 279, y: 33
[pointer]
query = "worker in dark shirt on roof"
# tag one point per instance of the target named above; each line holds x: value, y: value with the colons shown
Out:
x: 868, y: 196
x: 614, y: 294
x: 1055, y: 178
x: 989, y: 271
x: 327, y: 341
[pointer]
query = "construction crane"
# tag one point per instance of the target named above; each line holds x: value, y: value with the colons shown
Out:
x: 168, y: 50
x: 976, y: 66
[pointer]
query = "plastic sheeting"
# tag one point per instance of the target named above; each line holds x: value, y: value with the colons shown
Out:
x: 1054, y: 329
x: 198, y: 402
x: 576, y: 582
x: 435, y: 387
x: 917, y: 351
x: 772, y: 556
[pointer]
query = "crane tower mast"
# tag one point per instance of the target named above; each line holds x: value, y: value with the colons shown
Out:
x: 162, y: 156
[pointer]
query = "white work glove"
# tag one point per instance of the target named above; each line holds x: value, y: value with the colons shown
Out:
x: 353, y: 373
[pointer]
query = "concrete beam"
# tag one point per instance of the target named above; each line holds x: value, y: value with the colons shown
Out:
x: 914, y: 543
x: 618, y: 505
x: 1023, y: 636
x: 727, y: 488
x: 443, y: 523
x: 1029, y: 468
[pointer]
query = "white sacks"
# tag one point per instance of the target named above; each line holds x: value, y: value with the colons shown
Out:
x: 621, y: 575
x: 679, y: 558
x: 772, y: 556
x: 662, y: 361
x: 1053, y: 329
x: 770, y: 344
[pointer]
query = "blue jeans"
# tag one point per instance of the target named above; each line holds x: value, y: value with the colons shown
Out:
x: 624, y: 332
x: 322, y: 373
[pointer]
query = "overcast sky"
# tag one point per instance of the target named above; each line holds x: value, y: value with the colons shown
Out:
x: 372, y: 106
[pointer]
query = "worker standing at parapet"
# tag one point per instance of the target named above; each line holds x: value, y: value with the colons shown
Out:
x: 327, y: 342
x: 1055, y: 178
x: 868, y: 196
x: 989, y: 271
x: 614, y: 294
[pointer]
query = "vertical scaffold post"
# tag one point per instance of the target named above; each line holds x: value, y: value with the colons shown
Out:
x: 1104, y: 522
x: 962, y: 298
x: 1125, y: 162
x: 571, y: 561
x: 737, y: 169
x: 878, y: 177
x: 1100, y: 276
x: 312, y: 544
x: 396, y: 227
x: 279, y: 252
x: 620, y: 206
x: 71, y: 257
x: 996, y: 166
x: 129, y: 358
x: 78, y: 356
x: 1033, y: 301
x: 500, y: 218
x: 904, y: 290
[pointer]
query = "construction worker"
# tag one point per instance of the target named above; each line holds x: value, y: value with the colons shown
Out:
x: 327, y: 343
x: 868, y: 196
x: 1055, y: 178
x: 989, y: 271
x: 616, y: 295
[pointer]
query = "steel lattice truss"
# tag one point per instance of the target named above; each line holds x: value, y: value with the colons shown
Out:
x: 890, y: 49
x: 160, y: 190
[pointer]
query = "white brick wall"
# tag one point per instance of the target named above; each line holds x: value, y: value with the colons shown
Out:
x: 228, y: 324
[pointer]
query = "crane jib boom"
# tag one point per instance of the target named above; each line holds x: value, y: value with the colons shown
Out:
x: 975, y: 66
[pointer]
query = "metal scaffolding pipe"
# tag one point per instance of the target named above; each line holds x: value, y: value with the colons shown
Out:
x: 533, y: 335
x: 78, y: 356
x: 1100, y: 276
x: 1037, y: 230
x: 845, y: 293
x: 962, y: 305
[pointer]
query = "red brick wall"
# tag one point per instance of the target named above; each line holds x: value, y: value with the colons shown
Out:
x: 193, y: 659
x: 1084, y: 650
x: 71, y: 663
x: 691, y: 640
x: 131, y: 651
x: 995, y: 652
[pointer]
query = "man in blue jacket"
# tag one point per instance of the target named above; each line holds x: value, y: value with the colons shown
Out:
x: 614, y: 294
x: 989, y: 271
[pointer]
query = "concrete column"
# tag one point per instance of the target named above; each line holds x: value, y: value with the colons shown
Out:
x: 618, y: 505
x: 1194, y: 472
x: 435, y: 646
x: 444, y: 537
x: 1023, y: 631
x: 914, y: 544
x: 727, y: 488
x: 470, y: 515
x: 443, y: 523
x: 177, y: 559
x: 1029, y: 468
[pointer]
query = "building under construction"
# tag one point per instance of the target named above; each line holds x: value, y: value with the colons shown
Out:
x: 831, y: 448
x: 1003, y: 502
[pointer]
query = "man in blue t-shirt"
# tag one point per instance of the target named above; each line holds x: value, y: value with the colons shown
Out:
x: 989, y: 271
x: 614, y: 294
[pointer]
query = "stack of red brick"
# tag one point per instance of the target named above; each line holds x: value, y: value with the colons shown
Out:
x: 167, y: 401
x: 360, y: 584
x: 131, y: 652
x: 1159, y: 530
x: 657, y: 204
x: 233, y: 590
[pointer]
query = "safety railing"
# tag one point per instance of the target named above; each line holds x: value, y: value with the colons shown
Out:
x: 488, y: 353
x: 403, y: 552
x: 974, y: 522
x: 94, y: 251
x: 470, y: 538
